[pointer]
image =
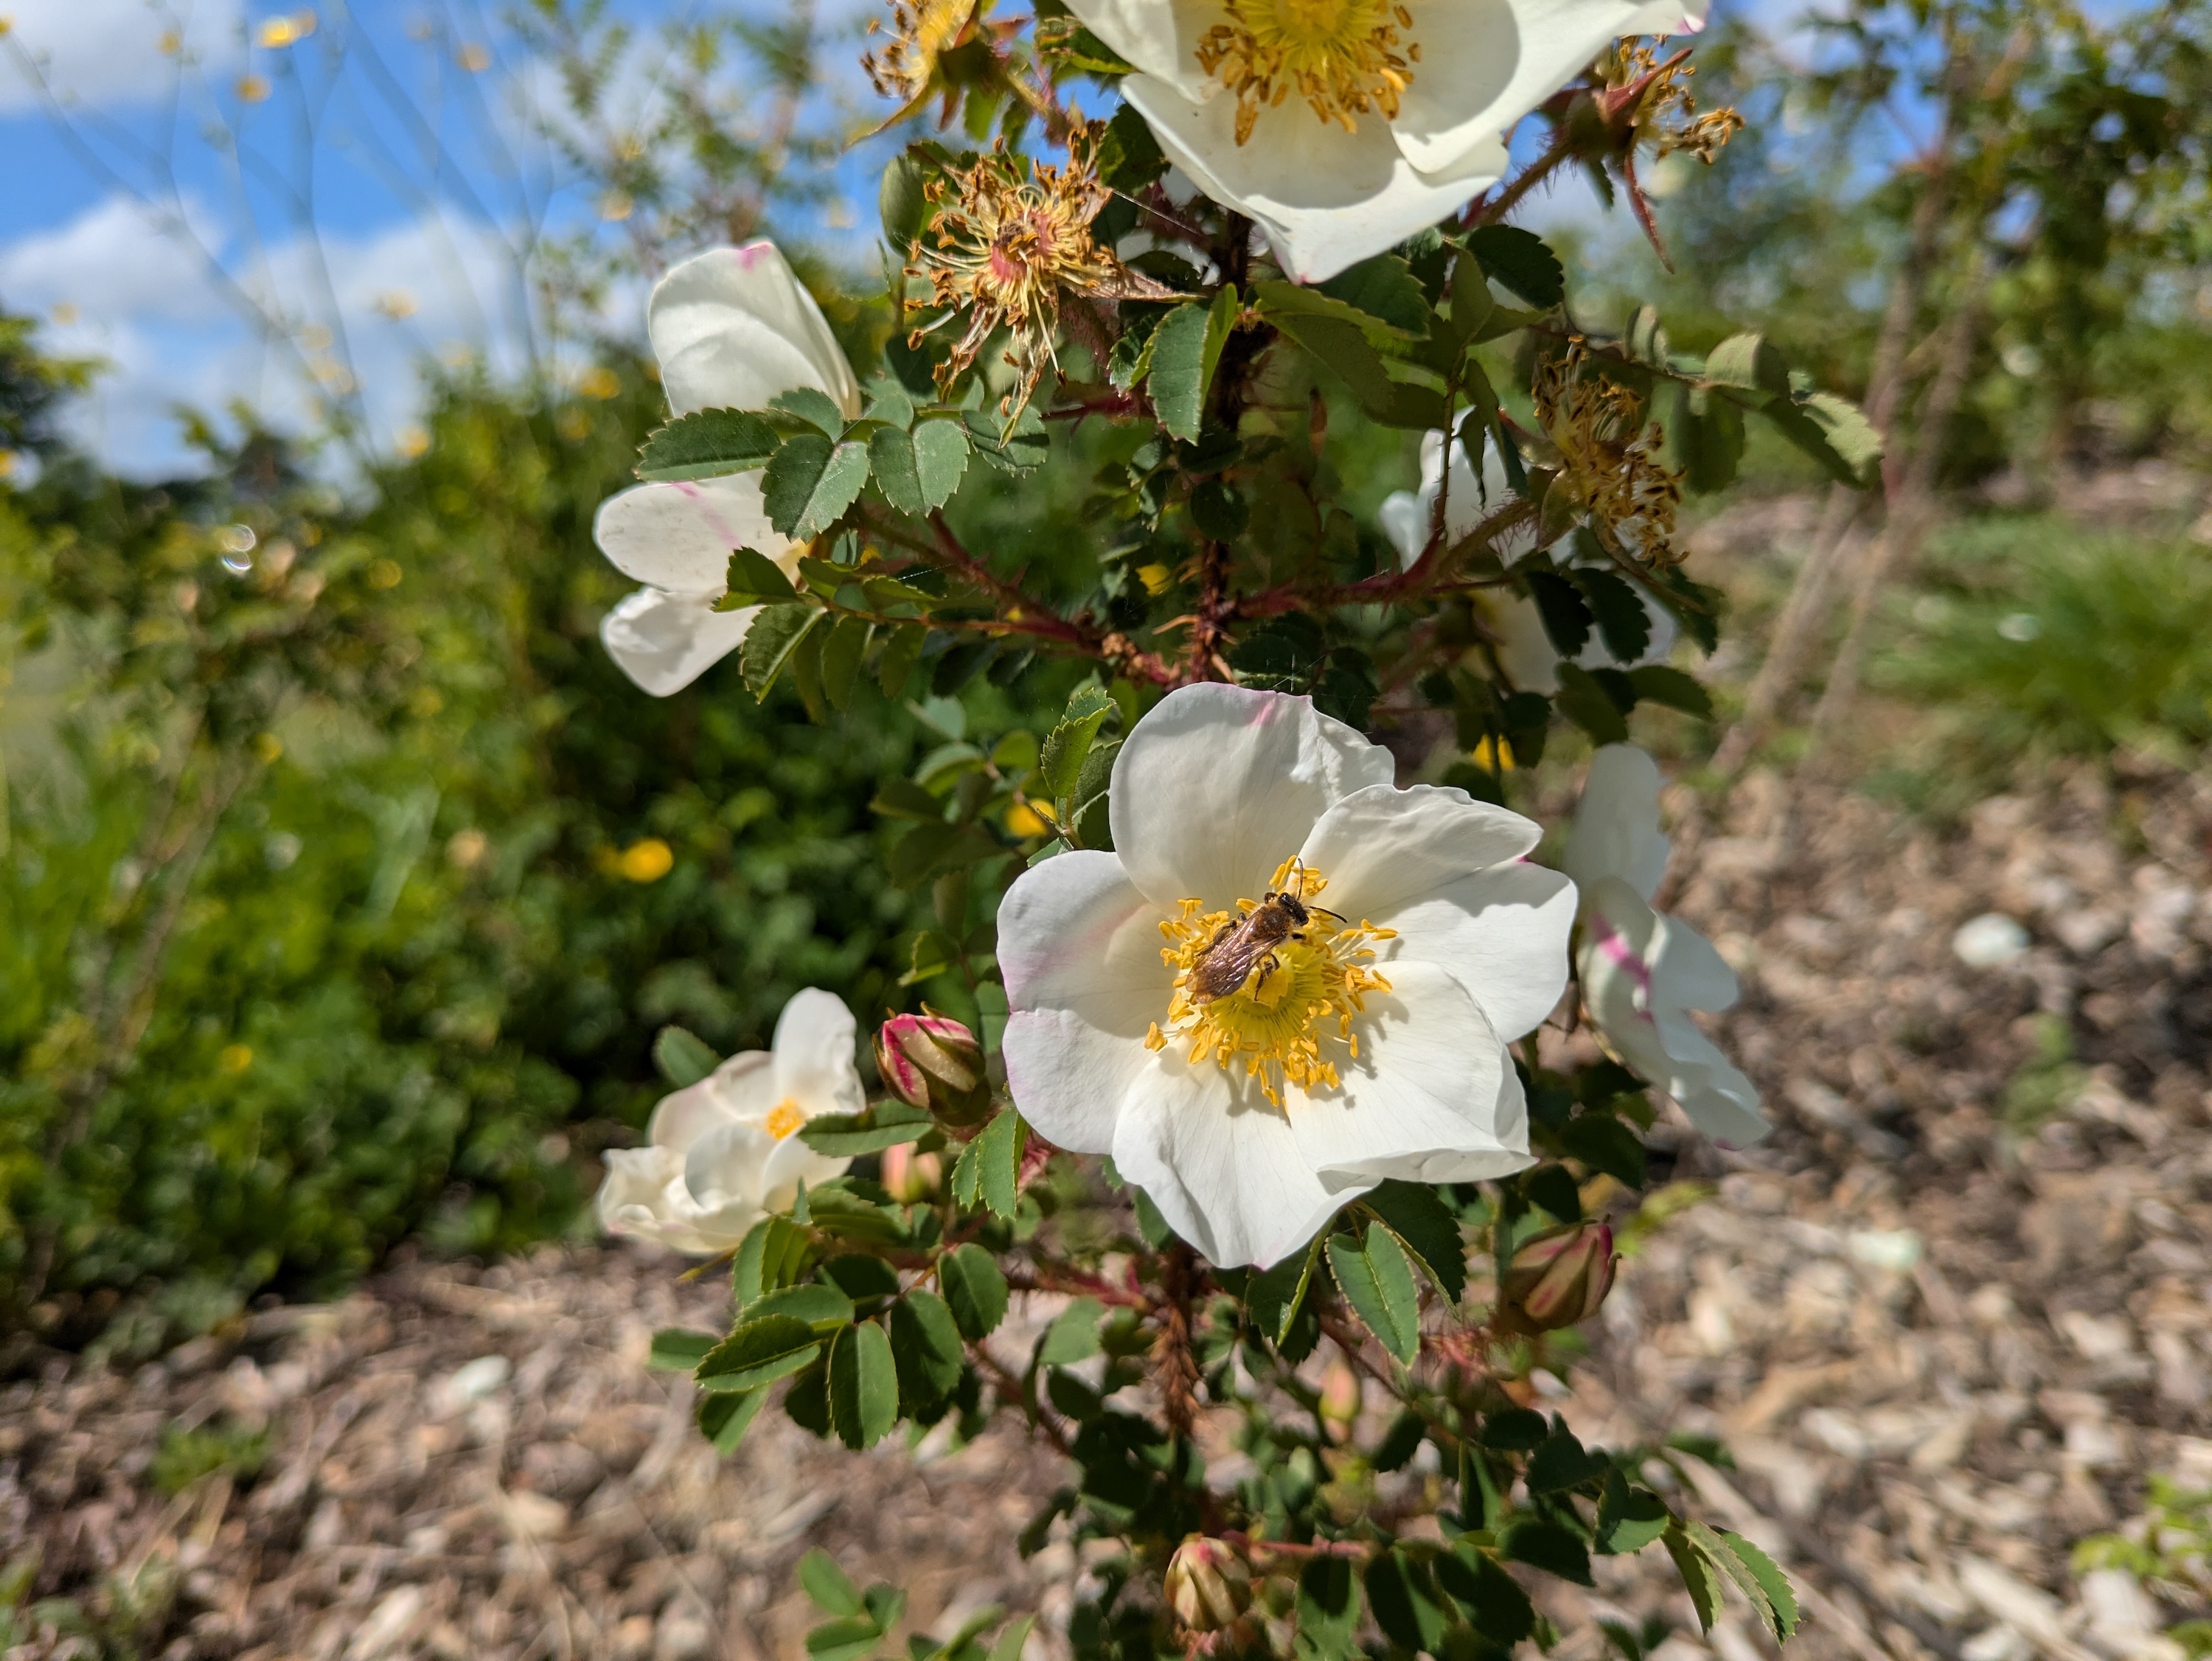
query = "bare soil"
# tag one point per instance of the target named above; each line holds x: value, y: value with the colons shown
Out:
x: 1942, y: 1345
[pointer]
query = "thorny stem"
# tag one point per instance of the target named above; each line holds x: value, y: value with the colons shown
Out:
x: 1494, y: 208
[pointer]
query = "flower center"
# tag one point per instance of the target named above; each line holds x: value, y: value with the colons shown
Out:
x: 783, y: 1118
x: 1342, y: 57
x: 1263, y: 986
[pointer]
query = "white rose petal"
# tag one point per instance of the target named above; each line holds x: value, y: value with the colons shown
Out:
x: 1429, y: 946
x: 723, y: 1152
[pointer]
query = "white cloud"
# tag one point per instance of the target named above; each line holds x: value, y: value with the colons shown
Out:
x: 110, y: 52
x: 116, y: 287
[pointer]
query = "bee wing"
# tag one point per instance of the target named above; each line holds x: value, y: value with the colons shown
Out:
x: 1227, y: 962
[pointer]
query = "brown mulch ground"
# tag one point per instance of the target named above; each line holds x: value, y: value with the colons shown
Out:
x: 1943, y: 1348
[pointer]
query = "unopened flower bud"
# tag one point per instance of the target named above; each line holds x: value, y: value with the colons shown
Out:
x: 1208, y: 1584
x: 1340, y: 1400
x: 909, y: 1176
x: 932, y: 1062
x: 1558, y: 1278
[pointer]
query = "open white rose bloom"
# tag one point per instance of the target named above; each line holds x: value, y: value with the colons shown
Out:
x: 1342, y: 127
x: 732, y: 329
x: 1365, y: 1043
x: 1525, y: 651
x: 722, y: 1152
x: 1642, y: 972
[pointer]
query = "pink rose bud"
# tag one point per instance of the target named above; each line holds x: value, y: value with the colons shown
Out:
x: 909, y: 1176
x: 1208, y: 1584
x: 1557, y: 1278
x: 932, y: 1062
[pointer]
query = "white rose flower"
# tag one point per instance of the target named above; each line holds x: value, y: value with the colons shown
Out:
x: 1369, y: 1043
x: 1342, y: 127
x: 721, y: 1153
x: 732, y: 329
x: 1525, y: 651
x: 1642, y: 972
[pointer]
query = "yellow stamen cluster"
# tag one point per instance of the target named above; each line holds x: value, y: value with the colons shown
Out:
x: 1007, y: 242
x: 783, y: 1118
x: 1610, y: 459
x: 1276, y: 1021
x: 1342, y: 57
x: 1665, y: 115
x: 921, y: 31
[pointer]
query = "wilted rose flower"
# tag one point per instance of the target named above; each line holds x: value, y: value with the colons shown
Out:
x: 932, y: 1062
x: 1558, y: 1278
x: 1208, y: 1584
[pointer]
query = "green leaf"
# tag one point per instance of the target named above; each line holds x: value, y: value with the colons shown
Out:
x: 1345, y: 349
x: 926, y: 850
x: 813, y: 406
x: 1399, y: 1442
x: 810, y: 482
x: 1549, y: 1547
x: 1492, y: 1598
x: 771, y: 1255
x: 1561, y: 1462
x: 858, y: 1276
x: 759, y: 1352
x: 822, y: 1581
x: 1703, y: 439
x: 723, y: 1419
x: 675, y: 1349
x: 1327, y: 1606
x: 1522, y: 262
x: 682, y: 1059
x: 1385, y: 288
x: 1565, y: 614
x: 1013, y: 1640
x: 1777, y: 1603
x: 1403, y: 1596
x: 887, y: 1123
x: 1069, y: 742
x: 989, y: 1165
x: 940, y: 460
x: 1622, y: 622
x: 841, y: 652
x: 1750, y: 362
x: 708, y: 444
x: 889, y: 402
x: 775, y: 635
x: 1585, y: 702
x: 1700, y: 1575
x: 863, y: 1385
x: 1661, y: 683
x: 1629, y: 1519
x: 1514, y: 1429
x: 1275, y: 1295
x: 1179, y: 376
x: 1604, y: 1143
x: 847, y: 1639
x: 1425, y: 1225
x: 1021, y: 451
x: 823, y: 1307
x: 974, y: 1290
x: 926, y: 1344
x: 1834, y: 431
x: 754, y: 579
x: 901, y: 652
x: 891, y: 463
x: 900, y: 202
x: 1377, y: 1282
x: 1284, y: 304
x: 1073, y: 1337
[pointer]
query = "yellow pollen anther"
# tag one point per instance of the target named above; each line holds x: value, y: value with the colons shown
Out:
x: 1303, y: 992
x: 1342, y: 57
x: 783, y: 1118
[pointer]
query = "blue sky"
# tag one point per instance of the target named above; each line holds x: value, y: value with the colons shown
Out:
x: 206, y: 110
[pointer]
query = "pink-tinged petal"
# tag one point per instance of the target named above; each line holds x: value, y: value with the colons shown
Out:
x: 733, y: 328
x: 1079, y: 947
x: 1433, y: 1098
x: 1223, y: 1166
x: 1219, y: 784
x: 1382, y: 848
x: 679, y: 536
x: 1501, y: 933
x: 666, y: 641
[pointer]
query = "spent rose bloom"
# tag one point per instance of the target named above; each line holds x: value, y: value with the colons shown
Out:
x: 1524, y: 649
x: 1342, y: 127
x: 732, y: 329
x: 721, y: 1153
x: 1642, y: 972
x: 1370, y: 1043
